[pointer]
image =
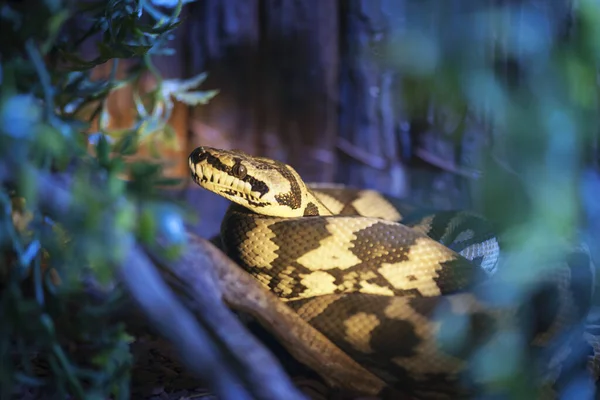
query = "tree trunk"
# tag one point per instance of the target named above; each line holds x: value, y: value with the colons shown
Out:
x: 223, y: 39
x: 300, y: 84
x: 370, y: 125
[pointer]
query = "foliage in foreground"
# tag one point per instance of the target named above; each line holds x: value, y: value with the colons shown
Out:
x: 53, y: 119
x: 542, y: 125
x: 513, y: 85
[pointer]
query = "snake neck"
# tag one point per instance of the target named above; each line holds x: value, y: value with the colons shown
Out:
x: 313, y: 206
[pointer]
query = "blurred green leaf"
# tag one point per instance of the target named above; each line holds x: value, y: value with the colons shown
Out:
x: 128, y: 144
x: 48, y: 101
x: 147, y: 226
x: 195, y: 98
x: 103, y: 151
x: 181, y: 90
x: 20, y: 116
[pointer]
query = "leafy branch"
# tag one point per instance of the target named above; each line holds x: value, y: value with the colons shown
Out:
x: 48, y: 102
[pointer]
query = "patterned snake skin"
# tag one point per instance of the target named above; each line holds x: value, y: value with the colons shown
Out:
x: 406, y: 300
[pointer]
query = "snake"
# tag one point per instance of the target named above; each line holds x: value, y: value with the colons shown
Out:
x: 405, y: 292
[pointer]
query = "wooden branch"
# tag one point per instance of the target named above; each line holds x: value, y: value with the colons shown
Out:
x: 190, y: 333
x: 361, y: 155
x: 180, y: 327
x: 193, y: 277
x: 440, y: 163
x: 242, y: 292
x: 183, y: 300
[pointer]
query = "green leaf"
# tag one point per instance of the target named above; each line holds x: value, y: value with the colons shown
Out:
x: 76, y: 63
x: 582, y: 83
x: 195, y: 98
x: 20, y: 115
x: 168, y: 182
x: 180, y: 90
x: 116, y: 185
x: 127, y: 145
x: 28, y: 183
x: 150, y: 125
x: 120, y: 50
x: 187, y: 84
x: 170, y: 137
x: 147, y: 226
x: 144, y: 170
x: 153, y: 149
x: 103, y: 151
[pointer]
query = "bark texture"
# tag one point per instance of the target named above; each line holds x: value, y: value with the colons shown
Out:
x: 223, y: 40
x: 300, y: 62
x: 370, y: 124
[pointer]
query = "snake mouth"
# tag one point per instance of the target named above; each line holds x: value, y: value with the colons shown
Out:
x: 222, y: 183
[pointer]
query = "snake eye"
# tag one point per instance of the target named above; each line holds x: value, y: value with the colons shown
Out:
x: 239, y: 171
x: 198, y: 155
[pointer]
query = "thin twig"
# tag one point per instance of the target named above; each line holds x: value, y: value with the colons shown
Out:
x: 445, y: 165
x: 43, y: 76
x: 361, y: 155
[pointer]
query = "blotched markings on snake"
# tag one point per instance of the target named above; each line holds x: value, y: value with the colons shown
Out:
x: 387, y: 293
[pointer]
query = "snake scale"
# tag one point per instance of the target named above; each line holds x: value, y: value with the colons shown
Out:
x: 404, y: 296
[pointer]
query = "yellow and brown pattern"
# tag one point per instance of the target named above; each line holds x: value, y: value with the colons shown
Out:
x: 393, y: 291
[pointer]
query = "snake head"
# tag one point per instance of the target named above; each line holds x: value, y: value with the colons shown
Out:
x: 263, y: 185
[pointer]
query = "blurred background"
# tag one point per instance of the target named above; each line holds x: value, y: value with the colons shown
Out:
x: 485, y: 105
x: 488, y: 105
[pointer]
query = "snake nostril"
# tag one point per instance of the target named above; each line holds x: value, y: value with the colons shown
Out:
x: 197, y: 155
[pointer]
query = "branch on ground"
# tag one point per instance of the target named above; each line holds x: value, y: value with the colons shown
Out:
x: 185, y: 301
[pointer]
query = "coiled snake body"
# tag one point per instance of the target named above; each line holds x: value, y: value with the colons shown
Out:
x: 406, y: 300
